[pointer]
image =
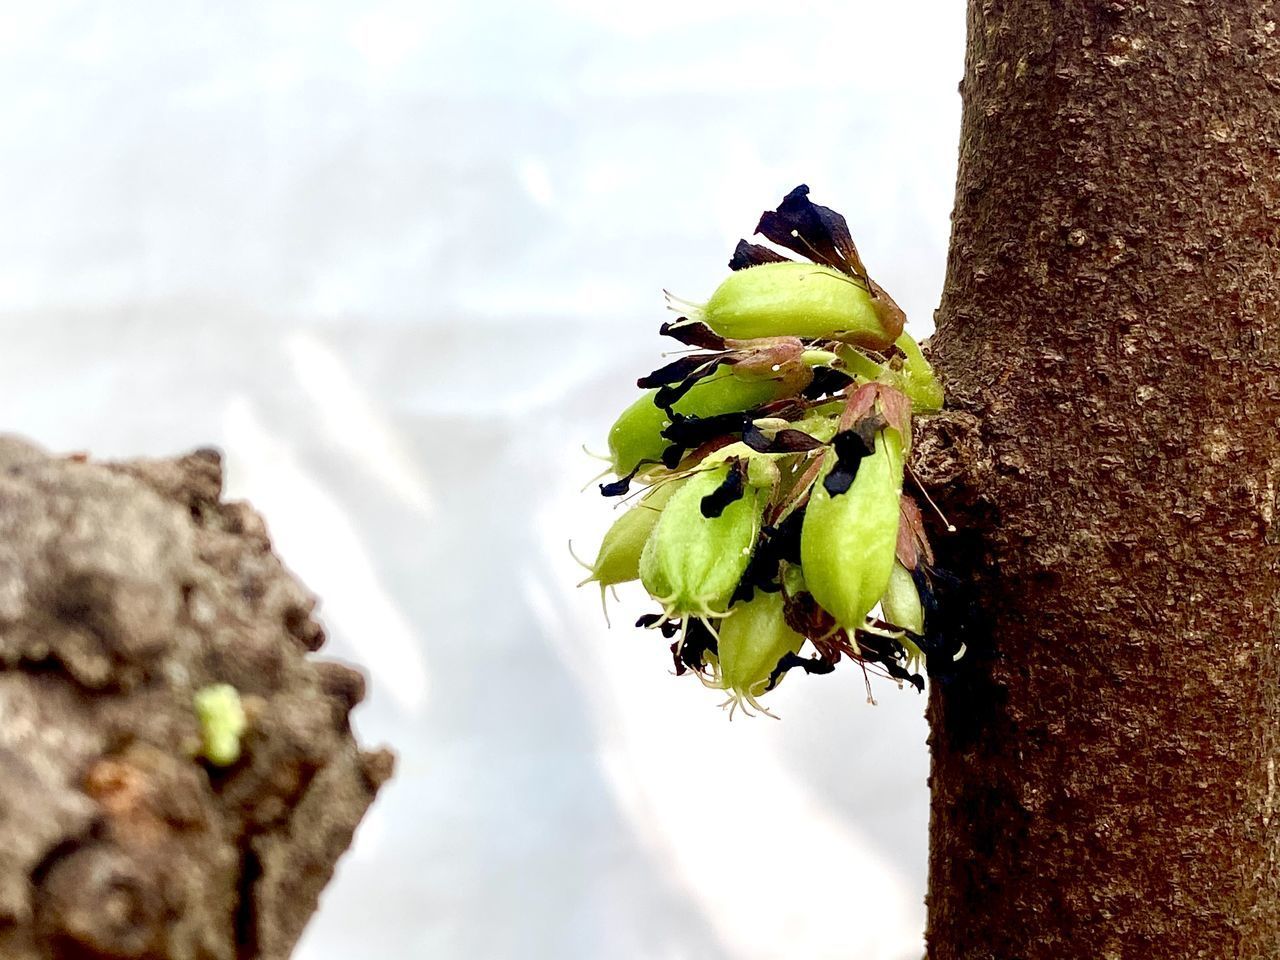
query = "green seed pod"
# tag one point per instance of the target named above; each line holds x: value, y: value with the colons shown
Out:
x: 901, y: 601
x: 901, y: 607
x: 799, y: 300
x: 637, y: 434
x: 848, y: 541
x: 917, y: 379
x: 753, y: 638
x: 618, y: 559
x: 222, y: 723
x: 692, y: 563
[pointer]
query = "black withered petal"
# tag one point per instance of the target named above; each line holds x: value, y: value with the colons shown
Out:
x: 750, y: 583
x: 673, y: 392
x: 672, y: 456
x: 754, y: 438
x: 811, y: 665
x: 887, y: 652
x: 813, y: 231
x: 875, y: 646
x: 730, y: 489
x: 924, y: 587
x: 699, y: 639
x: 669, y: 628
x: 676, y: 370
x: 620, y: 486
x: 826, y: 380
x: 690, y: 431
x: 902, y: 673
x: 755, y: 577
x: 693, y: 335
x: 952, y: 615
x: 776, y: 543
x: 752, y: 255
x: 859, y: 441
x: 698, y: 642
x: 784, y: 441
x: 851, y: 446
x: 785, y: 539
x: 840, y: 478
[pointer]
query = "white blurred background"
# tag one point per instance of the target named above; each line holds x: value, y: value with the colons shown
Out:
x: 400, y: 260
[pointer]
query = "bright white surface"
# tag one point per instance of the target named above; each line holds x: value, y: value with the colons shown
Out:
x: 400, y: 260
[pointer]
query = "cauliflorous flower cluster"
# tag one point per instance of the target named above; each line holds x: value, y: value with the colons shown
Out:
x: 771, y: 459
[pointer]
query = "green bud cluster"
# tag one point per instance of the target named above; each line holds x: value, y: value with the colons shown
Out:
x: 772, y: 516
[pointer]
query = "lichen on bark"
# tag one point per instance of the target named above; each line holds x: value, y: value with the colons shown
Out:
x: 124, y: 589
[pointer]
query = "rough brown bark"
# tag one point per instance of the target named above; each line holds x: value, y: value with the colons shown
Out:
x: 1104, y: 778
x: 123, y: 589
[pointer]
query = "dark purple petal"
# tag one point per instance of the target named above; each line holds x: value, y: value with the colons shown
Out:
x: 776, y: 544
x: 812, y: 665
x: 677, y: 370
x: 826, y: 380
x: 691, y: 431
x: 813, y: 231
x: 693, y: 335
x: 691, y: 654
x: 730, y: 489
x: 784, y: 441
x: 887, y: 652
x: 620, y: 486
x: 851, y: 446
x: 673, y: 392
x: 752, y: 255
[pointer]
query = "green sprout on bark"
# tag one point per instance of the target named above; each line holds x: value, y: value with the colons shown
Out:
x: 771, y: 527
x: 222, y: 723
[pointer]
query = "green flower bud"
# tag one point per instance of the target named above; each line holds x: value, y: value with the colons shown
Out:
x: 901, y: 607
x: 763, y: 472
x: 618, y: 559
x: 917, y: 379
x: 222, y: 723
x: 637, y: 434
x: 799, y: 300
x: 762, y: 468
x: 753, y: 638
x: 692, y: 563
x: 849, y: 540
x: 901, y: 604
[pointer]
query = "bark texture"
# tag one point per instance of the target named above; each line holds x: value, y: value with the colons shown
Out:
x: 124, y: 588
x: 1105, y: 771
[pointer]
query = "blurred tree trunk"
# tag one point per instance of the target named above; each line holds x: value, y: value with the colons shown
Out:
x: 125, y: 589
x: 1104, y: 774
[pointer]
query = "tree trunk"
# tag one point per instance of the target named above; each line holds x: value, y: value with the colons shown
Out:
x: 1104, y: 767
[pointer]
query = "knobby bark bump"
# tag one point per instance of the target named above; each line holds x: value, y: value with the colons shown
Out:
x: 125, y: 589
x: 1105, y: 774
